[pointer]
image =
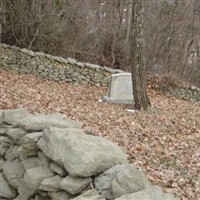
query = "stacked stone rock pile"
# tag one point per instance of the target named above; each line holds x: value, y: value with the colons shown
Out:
x: 39, y: 64
x: 49, y: 157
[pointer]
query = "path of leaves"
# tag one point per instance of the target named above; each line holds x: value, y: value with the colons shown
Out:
x: 165, y: 142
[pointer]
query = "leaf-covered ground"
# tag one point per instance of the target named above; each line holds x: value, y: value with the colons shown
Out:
x: 165, y: 142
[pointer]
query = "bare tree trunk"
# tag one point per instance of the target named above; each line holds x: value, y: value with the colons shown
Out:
x: 0, y: 31
x: 137, y: 57
x: 129, y: 20
x: 1, y: 19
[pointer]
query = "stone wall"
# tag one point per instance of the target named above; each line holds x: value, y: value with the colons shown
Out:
x: 55, y: 68
x: 49, y: 157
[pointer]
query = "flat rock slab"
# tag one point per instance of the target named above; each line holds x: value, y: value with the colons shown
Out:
x: 51, y: 184
x: 6, y: 191
x: 117, y: 101
x: 39, y: 122
x: 81, y: 154
x: 90, y: 195
x: 30, y: 138
x: 13, y: 171
x: 12, y: 116
x: 74, y: 185
x: 16, y: 133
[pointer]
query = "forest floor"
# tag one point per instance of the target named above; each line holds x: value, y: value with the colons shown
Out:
x: 165, y: 142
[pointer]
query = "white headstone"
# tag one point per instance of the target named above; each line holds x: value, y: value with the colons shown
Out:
x: 120, y: 89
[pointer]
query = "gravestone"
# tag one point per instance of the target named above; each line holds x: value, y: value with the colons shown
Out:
x: 120, y: 89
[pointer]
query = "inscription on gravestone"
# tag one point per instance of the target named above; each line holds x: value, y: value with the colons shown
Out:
x: 120, y: 89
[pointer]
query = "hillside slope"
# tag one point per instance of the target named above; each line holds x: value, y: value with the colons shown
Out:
x: 164, y: 141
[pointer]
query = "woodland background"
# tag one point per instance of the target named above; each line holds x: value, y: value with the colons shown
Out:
x: 165, y: 141
x: 98, y: 31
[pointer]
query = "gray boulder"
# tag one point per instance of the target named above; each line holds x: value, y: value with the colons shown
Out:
x: 71, y: 60
x: 39, y: 122
x: 31, y: 162
x: 150, y: 193
x: 74, y: 185
x: 2, y: 162
x: 3, y: 130
x: 29, y: 141
x: 16, y: 133
x: 81, y: 155
x: 12, y: 116
x: 34, y: 176
x: 30, y: 138
x: 60, y: 195
x: 40, y: 160
x: 129, y: 180
x: 5, y: 139
x: 25, y: 192
x: 51, y: 184
x: 13, y: 171
x: 90, y: 195
x: 44, y: 160
x: 5, y: 144
x: 57, y: 169
x: 28, y: 144
x: 12, y: 153
x: 6, y: 190
x: 3, y: 149
x: 120, y: 180
x: 29, y: 185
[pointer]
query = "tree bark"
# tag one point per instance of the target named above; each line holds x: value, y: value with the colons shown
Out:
x: 140, y: 96
x: 129, y: 20
x: 1, y: 19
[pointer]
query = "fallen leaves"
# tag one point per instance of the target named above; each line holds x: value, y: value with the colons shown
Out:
x: 165, y: 142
